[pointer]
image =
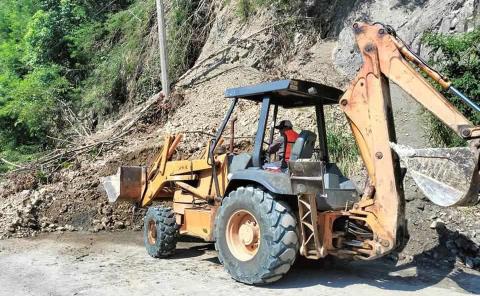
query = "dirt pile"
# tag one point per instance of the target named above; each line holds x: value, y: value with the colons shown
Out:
x: 72, y: 198
x: 442, y: 235
x: 73, y: 202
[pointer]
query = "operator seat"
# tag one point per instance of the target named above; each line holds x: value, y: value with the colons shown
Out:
x: 304, y: 145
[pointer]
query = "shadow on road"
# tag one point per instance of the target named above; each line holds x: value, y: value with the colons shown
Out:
x: 190, y: 252
x: 423, y: 271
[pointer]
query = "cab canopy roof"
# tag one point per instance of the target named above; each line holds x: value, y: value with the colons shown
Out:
x: 288, y: 93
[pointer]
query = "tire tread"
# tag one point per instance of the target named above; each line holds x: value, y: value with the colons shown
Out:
x: 285, y: 240
x: 167, y: 236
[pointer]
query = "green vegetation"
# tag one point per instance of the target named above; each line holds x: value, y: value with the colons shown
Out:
x: 115, y: 48
x: 188, y: 30
x: 66, y: 62
x: 41, y: 69
x: 458, y: 59
x: 84, y: 58
x: 343, y: 150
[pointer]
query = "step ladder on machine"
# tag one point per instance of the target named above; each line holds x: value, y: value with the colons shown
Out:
x: 311, y: 246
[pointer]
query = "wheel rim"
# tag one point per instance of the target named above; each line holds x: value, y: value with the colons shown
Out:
x: 152, y: 232
x: 243, y: 235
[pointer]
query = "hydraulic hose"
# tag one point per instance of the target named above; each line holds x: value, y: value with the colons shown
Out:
x: 410, y: 55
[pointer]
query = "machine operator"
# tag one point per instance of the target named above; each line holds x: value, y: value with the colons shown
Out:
x: 283, y: 144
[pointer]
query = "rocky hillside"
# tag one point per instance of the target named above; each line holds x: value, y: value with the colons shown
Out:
x: 314, y: 42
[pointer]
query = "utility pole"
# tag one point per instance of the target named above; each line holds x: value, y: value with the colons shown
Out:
x: 162, y: 39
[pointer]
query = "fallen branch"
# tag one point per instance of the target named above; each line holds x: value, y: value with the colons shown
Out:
x: 212, y: 135
x: 68, y: 111
x: 53, y: 161
x: 197, y: 79
x: 140, y: 114
x: 235, y: 43
x: 11, y: 163
x: 60, y: 140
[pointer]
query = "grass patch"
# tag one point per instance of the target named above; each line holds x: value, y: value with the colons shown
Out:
x: 458, y: 58
x: 18, y: 155
x: 343, y: 150
x: 118, y: 46
x: 126, y: 67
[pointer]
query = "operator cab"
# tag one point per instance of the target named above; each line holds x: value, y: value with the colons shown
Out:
x: 309, y: 169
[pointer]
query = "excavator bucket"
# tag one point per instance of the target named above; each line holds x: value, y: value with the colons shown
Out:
x: 446, y: 176
x: 127, y: 185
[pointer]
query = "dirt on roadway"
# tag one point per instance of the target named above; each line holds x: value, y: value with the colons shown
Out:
x: 117, y: 264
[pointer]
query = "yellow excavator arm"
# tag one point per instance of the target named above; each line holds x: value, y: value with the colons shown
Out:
x: 448, y: 177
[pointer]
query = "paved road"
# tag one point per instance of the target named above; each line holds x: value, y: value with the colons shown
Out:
x: 116, y: 264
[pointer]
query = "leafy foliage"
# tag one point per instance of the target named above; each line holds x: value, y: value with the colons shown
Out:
x: 40, y: 69
x: 33, y: 103
x: 47, y: 31
x: 459, y: 59
x: 114, y: 49
x: 84, y: 57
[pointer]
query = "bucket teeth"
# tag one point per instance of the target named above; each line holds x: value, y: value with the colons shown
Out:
x: 446, y: 176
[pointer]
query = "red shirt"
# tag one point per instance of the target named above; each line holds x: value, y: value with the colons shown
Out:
x: 290, y: 137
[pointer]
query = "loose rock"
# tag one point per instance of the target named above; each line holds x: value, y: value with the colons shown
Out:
x: 437, y: 224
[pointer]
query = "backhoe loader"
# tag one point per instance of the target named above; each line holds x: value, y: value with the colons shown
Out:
x: 262, y: 219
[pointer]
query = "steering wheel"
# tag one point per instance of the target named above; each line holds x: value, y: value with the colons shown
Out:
x: 265, y: 154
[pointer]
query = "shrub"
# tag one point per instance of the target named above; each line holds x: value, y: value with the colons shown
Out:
x: 40, y: 69
x: 343, y: 149
x: 458, y: 57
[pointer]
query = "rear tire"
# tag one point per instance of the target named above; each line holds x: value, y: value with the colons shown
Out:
x: 160, y: 232
x: 276, y: 248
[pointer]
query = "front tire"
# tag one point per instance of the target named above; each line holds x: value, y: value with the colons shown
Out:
x: 160, y: 232
x: 256, y: 236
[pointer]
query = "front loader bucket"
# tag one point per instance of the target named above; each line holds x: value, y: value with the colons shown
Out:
x: 447, y: 176
x: 127, y: 185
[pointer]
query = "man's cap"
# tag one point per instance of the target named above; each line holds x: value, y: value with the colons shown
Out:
x: 283, y: 124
